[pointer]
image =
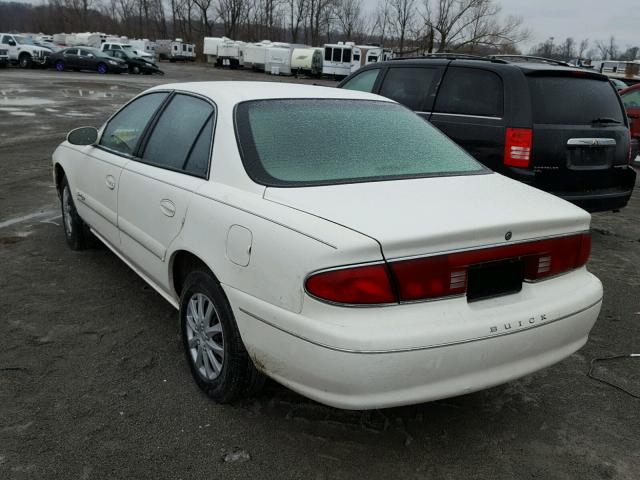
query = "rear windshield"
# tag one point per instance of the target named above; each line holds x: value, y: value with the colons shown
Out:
x: 573, y: 100
x: 301, y: 142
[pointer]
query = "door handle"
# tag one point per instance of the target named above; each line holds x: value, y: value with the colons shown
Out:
x: 168, y: 207
x: 111, y: 182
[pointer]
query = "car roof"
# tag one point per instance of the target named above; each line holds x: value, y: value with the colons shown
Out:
x: 233, y: 92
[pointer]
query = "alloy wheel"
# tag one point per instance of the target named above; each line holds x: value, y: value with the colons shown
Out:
x: 205, y: 336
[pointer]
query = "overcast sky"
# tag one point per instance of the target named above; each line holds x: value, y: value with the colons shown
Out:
x: 592, y: 19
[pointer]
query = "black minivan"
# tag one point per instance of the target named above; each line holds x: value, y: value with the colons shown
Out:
x: 560, y: 129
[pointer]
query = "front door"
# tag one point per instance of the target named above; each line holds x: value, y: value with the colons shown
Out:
x: 99, y: 171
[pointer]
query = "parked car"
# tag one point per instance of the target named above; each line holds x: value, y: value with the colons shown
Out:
x: 135, y: 63
x: 85, y: 58
x: 464, y: 278
x: 4, y: 57
x: 560, y: 129
x: 23, y: 51
x: 618, y: 84
x: 631, y: 100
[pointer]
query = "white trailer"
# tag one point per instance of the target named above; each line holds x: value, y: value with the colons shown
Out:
x: 230, y: 54
x: 144, y: 45
x: 210, y: 47
x: 86, y: 39
x: 174, y: 50
x: 278, y: 60
x: 306, y: 60
x: 255, y: 54
x: 338, y: 59
x: 60, y: 38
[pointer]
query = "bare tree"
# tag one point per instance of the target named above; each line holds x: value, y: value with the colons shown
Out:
x: 608, y: 50
x: 402, y: 15
x: 349, y: 16
x: 297, y: 11
x: 382, y: 19
x: 232, y: 12
x: 582, y: 49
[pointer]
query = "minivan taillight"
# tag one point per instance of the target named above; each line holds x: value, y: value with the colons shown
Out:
x: 445, y: 275
x: 517, y: 147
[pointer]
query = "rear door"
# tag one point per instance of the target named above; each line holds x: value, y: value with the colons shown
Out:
x: 156, y: 186
x: 71, y: 58
x: 580, y: 131
x: 470, y: 109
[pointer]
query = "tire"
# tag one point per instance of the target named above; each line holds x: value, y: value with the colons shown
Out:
x: 232, y: 375
x: 60, y: 66
x: 102, y: 68
x: 25, y: 60
x: 75, y: 230
x: 135, y: 70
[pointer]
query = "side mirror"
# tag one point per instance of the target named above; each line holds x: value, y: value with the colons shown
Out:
x: 83, y: 136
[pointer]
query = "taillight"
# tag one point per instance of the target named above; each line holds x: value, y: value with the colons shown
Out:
x: 517, y: 147
x: 364, y: 285
x: 445, y: 275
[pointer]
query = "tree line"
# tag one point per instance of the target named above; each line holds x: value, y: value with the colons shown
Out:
x: 585, y: 49
x: 408, y: 26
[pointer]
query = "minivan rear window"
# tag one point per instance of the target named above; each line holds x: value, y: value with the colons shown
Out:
x: 573, y: 100
x: 303, y: 142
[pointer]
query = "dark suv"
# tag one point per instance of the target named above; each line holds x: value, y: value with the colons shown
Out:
x: 560, y: 129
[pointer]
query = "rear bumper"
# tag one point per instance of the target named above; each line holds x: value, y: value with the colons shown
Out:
x: 605, y: 190
x: 406, y: 354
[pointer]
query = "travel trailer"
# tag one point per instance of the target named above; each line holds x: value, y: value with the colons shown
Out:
x: 174, y: 50
x: 230, y: 54
x: 210, y: 47
x: 255, y: 54
x: 144, y: 46
x: 338, y: 59
x: 306, y: 60
x: 278, y: 60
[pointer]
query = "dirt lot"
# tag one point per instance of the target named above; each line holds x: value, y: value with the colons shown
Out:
x: 93, y: 383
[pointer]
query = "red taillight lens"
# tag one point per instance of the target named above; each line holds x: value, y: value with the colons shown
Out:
x: 517, y: 147
x: 446, y: 275
x: 358, y: 285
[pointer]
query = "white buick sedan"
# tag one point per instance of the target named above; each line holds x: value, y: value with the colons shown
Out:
x: 329, y: 239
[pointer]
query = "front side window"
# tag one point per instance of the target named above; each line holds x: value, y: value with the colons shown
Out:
x: 360, y: 141
x: 182, y: 137
x: 124, y: 130
x: 363, y: 82
x: 6, y: 39
x: 471, y: 91
x: 409, y: 86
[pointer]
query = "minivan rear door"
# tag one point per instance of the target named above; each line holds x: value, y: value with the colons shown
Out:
x: 580, y: 131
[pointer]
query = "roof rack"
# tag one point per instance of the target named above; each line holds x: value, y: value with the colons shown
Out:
x: 451, y: 56
x: 530, y: 59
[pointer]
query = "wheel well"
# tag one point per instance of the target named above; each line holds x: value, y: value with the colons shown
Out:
x: 184, y: 263
x: 24, y: 54
x: 58, y: 175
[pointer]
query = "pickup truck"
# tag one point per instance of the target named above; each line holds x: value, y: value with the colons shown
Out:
x: 23, y: 51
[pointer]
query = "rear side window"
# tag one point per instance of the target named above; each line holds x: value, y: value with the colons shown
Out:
x: 124, y: 130
x: 359, y: 141
x: 573, y: 100
x: 408, y: 86
x: 181, y: 135
x: 363, y: 82
x: 471, y: 91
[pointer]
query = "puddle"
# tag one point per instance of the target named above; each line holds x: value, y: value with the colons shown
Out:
x: 9, y: 109
x: 75, y: 114
x: 23, y: 114
x: 13, y: 100
x: 86, y: 93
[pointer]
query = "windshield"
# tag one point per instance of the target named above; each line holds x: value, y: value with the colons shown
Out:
x: 299, y: 142
x: 23, y: 40
x: 573, y: 100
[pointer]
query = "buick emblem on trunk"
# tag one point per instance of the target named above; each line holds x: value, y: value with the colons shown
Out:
x: 507, y: 236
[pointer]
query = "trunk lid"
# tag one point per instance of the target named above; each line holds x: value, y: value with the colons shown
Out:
x: 429, y: 215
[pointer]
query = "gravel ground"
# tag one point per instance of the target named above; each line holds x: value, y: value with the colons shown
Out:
x: 93, y: 383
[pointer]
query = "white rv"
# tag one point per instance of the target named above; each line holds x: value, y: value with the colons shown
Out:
x: 364, y: 55
x: 255, y: 54
x: 60, y: 39
x: 338, y: 59
x: 210, y: 47
x: 278, y: 60
x: 230, y: 54
x: 306, y: 60
x: 174, y: 50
